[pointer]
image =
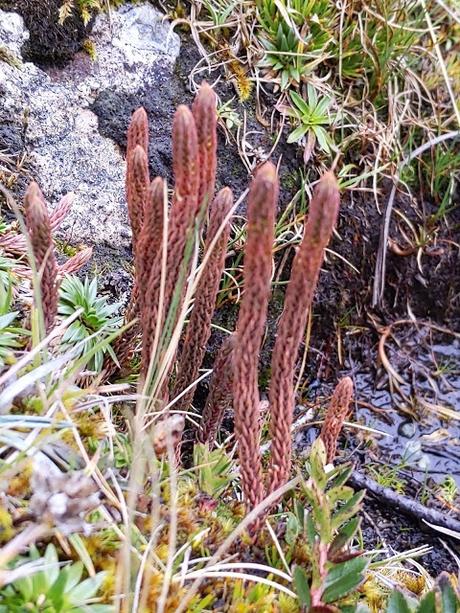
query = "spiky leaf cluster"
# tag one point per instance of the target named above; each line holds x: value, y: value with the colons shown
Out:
x: 95, y: 323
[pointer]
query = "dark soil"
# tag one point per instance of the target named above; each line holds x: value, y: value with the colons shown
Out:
x: 50, y: 41
x: 382, y: 526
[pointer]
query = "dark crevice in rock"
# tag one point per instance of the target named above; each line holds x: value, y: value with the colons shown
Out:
x: 50, y: 42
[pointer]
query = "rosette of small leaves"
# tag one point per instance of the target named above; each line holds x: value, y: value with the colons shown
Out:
x: 10, y: 335
x: 328, y: 526
x: 312, y: 115
x: 53, y: 589
x: 96, y: 322
x: 443, y: 599
x: 295, y: 34
x: 214, y: 469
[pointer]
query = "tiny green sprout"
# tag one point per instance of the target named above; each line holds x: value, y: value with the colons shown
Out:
x: 448, y: 489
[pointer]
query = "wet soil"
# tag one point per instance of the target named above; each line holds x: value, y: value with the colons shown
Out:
x: 383, y: 528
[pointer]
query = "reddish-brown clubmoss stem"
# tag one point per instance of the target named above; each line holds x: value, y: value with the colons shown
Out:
x: 199, y: 327
x: 262, y: 202
x: 336, y: 414
x: 39, y: 228
x: 205, y: 115
x: 220, y: 392
x: 182, y: 217
x: 319, y: 226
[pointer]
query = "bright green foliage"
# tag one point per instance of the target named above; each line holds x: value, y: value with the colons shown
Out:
x: 93, y: 325
x: 301, y: 36
x: 312, y: 114
x: 328, y: 528
x: 53, y: 589
x: 220, y: 10
x: 442, y: 173
x: 6, y: 270
x: 10, y: 336
x: 388, y: 42
x: 295, y: 34
x: 448, y: 489
x: 213, y: 469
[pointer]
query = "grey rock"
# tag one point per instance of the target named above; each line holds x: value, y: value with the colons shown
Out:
x: 65, y: 149
x: 407, y: 429
x: 12, y: 32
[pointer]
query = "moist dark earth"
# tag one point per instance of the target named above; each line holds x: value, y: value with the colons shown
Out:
x: 343, y: 294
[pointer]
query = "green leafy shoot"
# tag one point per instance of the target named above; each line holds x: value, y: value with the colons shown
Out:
x: 311, y: 115
x: 53, y: 589
x: 96, y: 322
x: 10, y: 335
x: 214, y: 469
x: 327, y: 527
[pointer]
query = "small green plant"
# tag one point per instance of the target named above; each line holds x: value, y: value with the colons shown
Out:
x: 328, y: 529
x: 10, y: 335
x: 219, y: 10
x: 213, y: 467
x: 388, y: 476
x: 53, y: 589
x: 311, y: 115
x: 6, y: 271
x: 95, y: 322
x: 448, y: 489
x: 228, y: 115
x: 296, y: 36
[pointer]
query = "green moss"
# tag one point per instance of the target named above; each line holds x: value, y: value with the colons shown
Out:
x: 90, y: 48
x: 65, y: 249
x: 9, y: 58
x: 6, y: 525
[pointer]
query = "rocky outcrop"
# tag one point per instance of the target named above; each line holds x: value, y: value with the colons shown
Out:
x: 47, y: 114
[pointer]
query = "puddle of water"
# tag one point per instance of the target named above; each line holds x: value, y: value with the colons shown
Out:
x: 423, y: 435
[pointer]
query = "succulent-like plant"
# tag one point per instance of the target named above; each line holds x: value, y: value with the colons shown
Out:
x: 53, y: 589
x: 311, y: 115
x: 96, y: 322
